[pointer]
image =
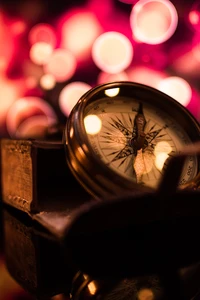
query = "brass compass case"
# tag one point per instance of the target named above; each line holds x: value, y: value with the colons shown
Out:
x: 140, y: 128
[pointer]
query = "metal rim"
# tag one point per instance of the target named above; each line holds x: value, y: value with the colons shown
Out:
x: 101, y: 180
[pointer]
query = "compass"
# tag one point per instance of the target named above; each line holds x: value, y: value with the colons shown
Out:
x: 120, y: 137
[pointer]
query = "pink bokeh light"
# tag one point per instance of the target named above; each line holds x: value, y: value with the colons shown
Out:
x: 62, y: 65
x: 177, y: 88
x: 79, y: 32
x: 42, y: 32
x: 70, y: 95
x: 25, y: 108
x: 145, y: 75
x: 153, y: 21
x: 104, y: 77
x: 71, y: 38
x: 112, y: 52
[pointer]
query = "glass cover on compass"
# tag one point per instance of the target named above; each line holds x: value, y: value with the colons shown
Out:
x: 133, y: 130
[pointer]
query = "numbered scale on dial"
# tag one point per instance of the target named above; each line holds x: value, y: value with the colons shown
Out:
x: 120, y: 136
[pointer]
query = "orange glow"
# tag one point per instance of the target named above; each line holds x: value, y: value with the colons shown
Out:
x: 112, y: 52
x: 40, y: 53
x: 92, y: 288
x: 79, y: 33
x: 70, y: 95
x: 3, y: 64
x: 47, y: 81
x: 145, y: 294
x: 62, y: 65
x: 92, y: 124
x: 42, y: 32
x: 18, y: 27
x: 31, y: 82
x: 153, y: 21
x: 177, y: 88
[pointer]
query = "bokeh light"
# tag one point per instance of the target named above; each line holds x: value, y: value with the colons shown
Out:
x: 40, y: 53
x: 160, y: 160
x: 112, y: 92
x: 70, y: 95
x: 24, y: 108
x: 77, y: 35
x: 42, y: 32
x: 62, y: 64
x: 47, y: 81
x: 92, y: 124
x: 18, y: 27
x: 145, y: 75
x: 194, y: 16
x: 153, y: 21
x: 162, y: 146
x: 9, y: 92
x: 112, y: 52
x: 58, y: 56
x: 33, y: 127
x: 177, y: 88
x: 104, y: 77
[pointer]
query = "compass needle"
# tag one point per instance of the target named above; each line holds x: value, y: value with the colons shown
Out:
x: 141, y: 129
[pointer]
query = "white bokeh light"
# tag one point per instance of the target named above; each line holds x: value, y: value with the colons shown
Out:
x: 160, y: 160
x: 153, y: 21
x: 112, y: 52
x: 62, y: 65
x: 112, y: 92
x: 40, y: 53
x: 92, y: 124
x: 79, y: 33
x: 70, y: 95
x: 47, y: 81
x: 177, y: 88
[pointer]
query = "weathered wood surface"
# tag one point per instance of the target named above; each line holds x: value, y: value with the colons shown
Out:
x: 35, y: 176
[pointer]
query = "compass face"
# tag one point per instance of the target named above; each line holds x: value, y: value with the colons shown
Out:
x: 136, y: 139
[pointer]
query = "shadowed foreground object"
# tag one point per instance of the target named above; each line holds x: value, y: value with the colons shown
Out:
x: 139, y: 244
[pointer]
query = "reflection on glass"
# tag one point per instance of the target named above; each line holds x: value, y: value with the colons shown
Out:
x: 92, y: 288
x: 160, y: 160
x: 112, y: 92
x: 92, y: 124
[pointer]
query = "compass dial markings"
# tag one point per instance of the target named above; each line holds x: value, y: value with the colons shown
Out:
x: 114, y: 139
x: 118, y: 125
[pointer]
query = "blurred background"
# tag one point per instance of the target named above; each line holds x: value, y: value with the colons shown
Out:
x: 52, y: 52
